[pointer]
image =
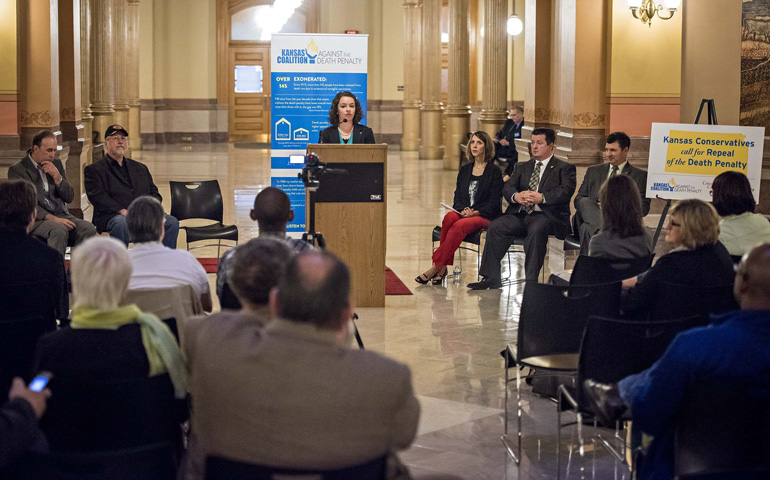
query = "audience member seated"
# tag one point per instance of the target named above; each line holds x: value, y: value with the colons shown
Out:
x: 539, y: 192
x: 272, y: 211
x: 740, y: 228
x: 107, y: 341
x: 53, y: 221
x: 734, y: 351
x: 19, y: 432
x: 28, y: 263
x: 622, y: 235
x: 294, y: 394
x: 588, y: 218
x: 697, y: 259
x: 113, y: 182
x: 477, y: 199
x: 505, y: 138
x: 154, y: 265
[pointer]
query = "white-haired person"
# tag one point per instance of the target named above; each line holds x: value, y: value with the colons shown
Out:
x: 106, y: 340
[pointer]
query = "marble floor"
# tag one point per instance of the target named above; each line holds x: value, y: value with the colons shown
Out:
x: 450, y: 337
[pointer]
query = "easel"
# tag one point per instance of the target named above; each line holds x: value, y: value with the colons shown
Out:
x: 712, y: 118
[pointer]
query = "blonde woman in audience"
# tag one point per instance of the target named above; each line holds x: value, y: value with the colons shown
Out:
x: 740, y: 228
x: 697, y: 259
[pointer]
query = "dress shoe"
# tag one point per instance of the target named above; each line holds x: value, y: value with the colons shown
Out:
x: 484, y: 284
x: 605, y: 401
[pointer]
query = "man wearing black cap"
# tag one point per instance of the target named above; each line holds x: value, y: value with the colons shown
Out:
x: 113, y: 182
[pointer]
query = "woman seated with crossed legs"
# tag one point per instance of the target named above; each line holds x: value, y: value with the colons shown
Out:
x: 477, y: 199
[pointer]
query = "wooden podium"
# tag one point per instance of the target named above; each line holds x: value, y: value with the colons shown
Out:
x: 350, y: 210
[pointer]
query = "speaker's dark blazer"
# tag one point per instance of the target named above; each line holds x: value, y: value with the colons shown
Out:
x: 109, y: 192
x: 596, y: 175
x: 361, y: 134
x: 557, y: 184
x: 58, y: 196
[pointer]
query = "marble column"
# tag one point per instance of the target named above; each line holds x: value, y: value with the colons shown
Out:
x: 120, y: 66
x: 71, y: 153
x: 132, y: 74
x: 85, y: 81
x: 458, y: 112
x: 537, y: 75
x: 103, y: 58
x: 493, y: 93
x: 38, y: 69
x: 410, y: 140
x: 431, y: 109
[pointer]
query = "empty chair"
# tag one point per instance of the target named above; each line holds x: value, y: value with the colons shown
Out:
x: 677, y: 301
x: 18, y: 339
x: 723, y: 433
x: 202, y: 200
x: 218, y: 468
x: 595, y: 270
x: 550, y: 330
x: 612, y: 349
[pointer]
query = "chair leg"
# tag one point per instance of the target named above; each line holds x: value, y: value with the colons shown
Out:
x: 516, y: 455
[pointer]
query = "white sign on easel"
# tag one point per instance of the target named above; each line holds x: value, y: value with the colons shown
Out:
x: 685, y: 158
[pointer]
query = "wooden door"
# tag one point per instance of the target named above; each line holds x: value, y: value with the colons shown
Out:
x: 249, y: 97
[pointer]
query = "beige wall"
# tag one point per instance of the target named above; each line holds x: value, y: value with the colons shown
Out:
x: 516, y: 57
x: 711, y: 59
x: 8, y: 47
x: 177, y: 49
x: 646, y: 60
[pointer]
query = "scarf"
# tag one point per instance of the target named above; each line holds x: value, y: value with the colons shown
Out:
x: 159, y: 343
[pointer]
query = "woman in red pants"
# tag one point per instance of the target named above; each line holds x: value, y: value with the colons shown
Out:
x: 477, y: 198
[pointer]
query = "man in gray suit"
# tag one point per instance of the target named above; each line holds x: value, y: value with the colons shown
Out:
x: 292, y: 393
x: 53, y: 221
x: 588, y: 218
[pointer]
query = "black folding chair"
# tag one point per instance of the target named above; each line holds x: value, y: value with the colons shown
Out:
x: 550, y: 330
x: 611, y: 350
x: 723, y: 433
x: 219, y: 468
x: 677, y: 301
x: 202, y: 200
x: 594, y: 270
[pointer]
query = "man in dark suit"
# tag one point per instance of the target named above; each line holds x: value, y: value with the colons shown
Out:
x: 504, y: 147
x: 113, y: 182
x: 33, y: 271
x: 539, y: 193
x: 588, y: 218
x: 53, y: 222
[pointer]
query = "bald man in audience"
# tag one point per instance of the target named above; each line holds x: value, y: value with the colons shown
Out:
x: 294, y: 394
x: 732, y: 352
x: 272, y: 212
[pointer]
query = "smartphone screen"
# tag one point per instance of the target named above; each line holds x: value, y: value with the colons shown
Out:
x: 39, y: 383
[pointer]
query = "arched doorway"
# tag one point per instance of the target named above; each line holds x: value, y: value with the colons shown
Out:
x: 243, y: 62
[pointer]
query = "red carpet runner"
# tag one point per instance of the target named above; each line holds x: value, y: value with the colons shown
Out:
x: 393, y: 284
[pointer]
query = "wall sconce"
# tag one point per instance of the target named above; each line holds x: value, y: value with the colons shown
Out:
x: 514, y: 26
x: 644, y: 10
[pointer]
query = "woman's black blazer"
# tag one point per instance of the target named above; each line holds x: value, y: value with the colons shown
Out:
x: 361, y: 134
x: 488, y: 194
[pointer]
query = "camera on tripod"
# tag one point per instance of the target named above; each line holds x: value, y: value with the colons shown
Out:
x: 312, y: 171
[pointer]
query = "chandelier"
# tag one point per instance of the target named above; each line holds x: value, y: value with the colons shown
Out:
x: 644, y: 10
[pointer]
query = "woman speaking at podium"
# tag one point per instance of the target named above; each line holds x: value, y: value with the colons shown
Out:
x: 344, y: 116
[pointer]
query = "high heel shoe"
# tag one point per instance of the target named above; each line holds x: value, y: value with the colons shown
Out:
x: 422, y: 279
x: 438, y: 278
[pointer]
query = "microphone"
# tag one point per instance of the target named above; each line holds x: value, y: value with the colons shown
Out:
x: 344, y: 120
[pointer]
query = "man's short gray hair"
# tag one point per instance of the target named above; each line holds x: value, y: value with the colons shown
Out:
x: 100, y: 270
x: 145, y: 219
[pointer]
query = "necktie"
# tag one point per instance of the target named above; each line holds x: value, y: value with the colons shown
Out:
x: 534, y: 181
x: 43, y: 177
x: 614, y: 171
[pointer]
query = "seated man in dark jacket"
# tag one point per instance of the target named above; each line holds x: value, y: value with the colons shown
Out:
x: 113, y: 182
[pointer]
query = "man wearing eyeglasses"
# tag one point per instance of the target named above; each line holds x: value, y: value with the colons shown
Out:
x: 113, y: 182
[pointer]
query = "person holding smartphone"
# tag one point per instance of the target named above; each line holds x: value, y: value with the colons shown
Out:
x: 19, y: 432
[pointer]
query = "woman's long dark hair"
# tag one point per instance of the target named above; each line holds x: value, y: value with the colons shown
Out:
x: 621, y: 206
x: 334, y: 115
x: 732, y: 194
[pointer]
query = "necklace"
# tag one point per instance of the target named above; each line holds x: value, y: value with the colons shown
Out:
x: 343, y: 134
